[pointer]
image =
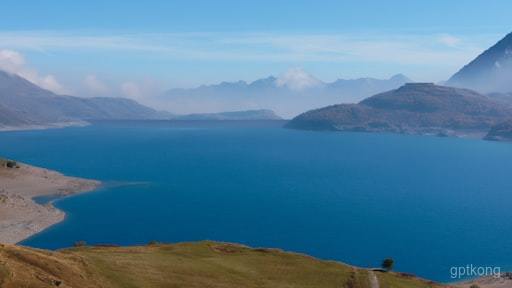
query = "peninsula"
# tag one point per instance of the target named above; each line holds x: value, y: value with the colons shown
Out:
x: 20, y: 215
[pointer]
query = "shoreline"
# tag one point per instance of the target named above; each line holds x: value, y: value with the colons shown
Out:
x: 20, y: 215
x: 57, y: 125
x: 502, y: 281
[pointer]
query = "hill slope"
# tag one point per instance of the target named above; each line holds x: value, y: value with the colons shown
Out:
x: 417, y: 108
x: 24, y: 103
x: 491, y: 71
x: 500, y: 132
x: 202, y: 264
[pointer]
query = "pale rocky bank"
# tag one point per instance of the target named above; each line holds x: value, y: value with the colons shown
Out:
x: 20, y: 215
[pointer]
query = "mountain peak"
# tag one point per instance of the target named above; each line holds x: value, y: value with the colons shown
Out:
x: 400, y: 78
x: 264, y: 82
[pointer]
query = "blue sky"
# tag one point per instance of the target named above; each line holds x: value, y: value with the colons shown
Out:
x: 137, y: 47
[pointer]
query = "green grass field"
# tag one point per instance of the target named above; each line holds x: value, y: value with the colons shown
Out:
x: 199, y: 264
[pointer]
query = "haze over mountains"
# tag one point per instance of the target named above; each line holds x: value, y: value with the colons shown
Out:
x: 26, y: 105
x: 437, y: 107
x: 23, y: 103
x: 288, y: 95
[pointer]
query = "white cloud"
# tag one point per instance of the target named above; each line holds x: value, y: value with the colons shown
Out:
x: 14, y: 62
x: 11, y: 60
x: 144, y: 91
x: 423, y: 55
x: 48, y: 82
x: 449, y: 40
x: 327, y: 47
x: 95, y: 86
x: 297, y: 79
x: 131, y: 90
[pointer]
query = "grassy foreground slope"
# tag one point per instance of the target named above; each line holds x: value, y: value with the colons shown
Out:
x: 200, y: 264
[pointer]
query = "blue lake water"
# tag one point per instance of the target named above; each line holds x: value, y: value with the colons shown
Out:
x: 430, y: 203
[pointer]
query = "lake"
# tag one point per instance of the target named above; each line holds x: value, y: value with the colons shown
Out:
x: 429, y: 203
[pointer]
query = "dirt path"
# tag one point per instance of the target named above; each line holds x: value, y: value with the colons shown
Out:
x: 374, y: 282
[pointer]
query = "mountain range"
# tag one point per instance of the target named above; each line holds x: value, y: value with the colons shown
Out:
x: 288, y: 95
x: 426, y: 108
x: 490, y: 72
x: 26, y: 105
x: 23, y: 103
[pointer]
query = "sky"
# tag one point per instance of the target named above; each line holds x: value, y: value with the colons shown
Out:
x: 136, y: 48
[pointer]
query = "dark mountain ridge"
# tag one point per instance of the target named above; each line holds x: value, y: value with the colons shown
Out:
x: 415, y: 108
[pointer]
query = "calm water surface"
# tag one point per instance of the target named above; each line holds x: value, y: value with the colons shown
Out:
x: 430, y: 203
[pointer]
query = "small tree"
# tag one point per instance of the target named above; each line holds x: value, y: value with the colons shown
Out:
x: 387, y: 264
x: 11, y: 164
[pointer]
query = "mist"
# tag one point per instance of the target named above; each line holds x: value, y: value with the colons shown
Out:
x: 288, y: 95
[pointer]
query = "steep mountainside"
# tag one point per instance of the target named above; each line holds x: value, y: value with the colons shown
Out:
x: 421, y: 108
x: 24, y: 103
x: 489, y: 72
x: 202, y: 264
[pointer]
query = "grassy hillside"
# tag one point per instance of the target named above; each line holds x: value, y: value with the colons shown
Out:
x: 201, y: 264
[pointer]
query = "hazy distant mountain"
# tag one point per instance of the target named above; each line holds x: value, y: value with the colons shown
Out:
x: 235, y: 115
x: 489, y: 72
x: 10, y: 118
x: 417, y: 108
x: 24, y: 103
x: 288, y: 95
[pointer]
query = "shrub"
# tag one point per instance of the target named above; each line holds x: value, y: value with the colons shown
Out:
x: 8, y: 163
x: 387, y: 264
x: 11, y: 164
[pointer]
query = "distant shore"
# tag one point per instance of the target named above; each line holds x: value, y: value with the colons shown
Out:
x: 43, y: 126
x: 20, y: 216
